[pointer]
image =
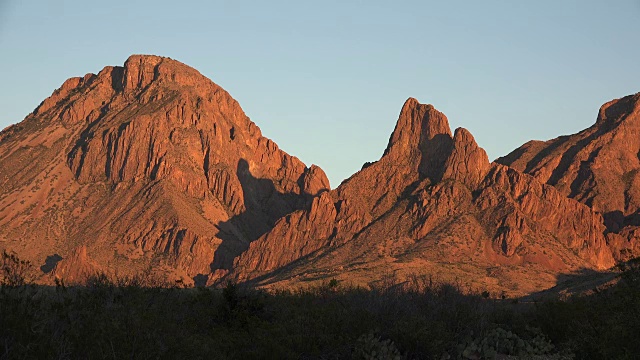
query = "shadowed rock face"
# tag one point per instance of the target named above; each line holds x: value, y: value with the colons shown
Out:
x: 599, y: 167
x: 151, y: 168
x: 146, y: 165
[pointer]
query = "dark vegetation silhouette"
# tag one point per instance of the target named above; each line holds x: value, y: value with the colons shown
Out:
x: 140, y: 318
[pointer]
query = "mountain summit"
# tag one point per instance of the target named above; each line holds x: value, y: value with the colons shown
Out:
x: 433, y: 204
x: 148, y: 166
x: 153, y: 168
x: 599, y: 167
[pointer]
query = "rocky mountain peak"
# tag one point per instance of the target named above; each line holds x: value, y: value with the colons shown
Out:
x: 140, y: 71
x: 626, y: 109
x: 599, y: 167
x: 314, y: 181
x: 468, y: 162
x: 417, y: 124
x: 157, y: 161
x: 422, y: 138
x: 150, y: 166
x: 431, y: 199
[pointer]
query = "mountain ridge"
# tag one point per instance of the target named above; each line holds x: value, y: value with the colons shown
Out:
x: 152, y: 167
x: 598, y: 166
x: 430, y: 178
x: 142, y: 144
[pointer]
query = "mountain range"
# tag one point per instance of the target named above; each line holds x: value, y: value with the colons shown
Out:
x: 151, y: 168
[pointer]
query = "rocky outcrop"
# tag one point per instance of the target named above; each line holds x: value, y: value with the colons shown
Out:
x: 314, y: 181
x: 77, y: 268
x: 598, y: 166
x: 521, y: 208
x: 292, y: 238
x: 467, y: 163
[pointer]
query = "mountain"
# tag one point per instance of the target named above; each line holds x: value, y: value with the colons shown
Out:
x: 432, y: 204
x: 151, y: 168
x: 145, y: 167
x: 599, y: 166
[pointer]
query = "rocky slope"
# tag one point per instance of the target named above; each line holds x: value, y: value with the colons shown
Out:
x: 433, y: 204
x: 599, y: 166
x: 151, y: 168
x: 149, y: 165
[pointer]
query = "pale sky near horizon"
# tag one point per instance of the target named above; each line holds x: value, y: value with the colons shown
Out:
x: 326, y: 79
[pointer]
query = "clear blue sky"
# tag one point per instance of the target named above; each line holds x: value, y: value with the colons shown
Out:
x: 326, y: 79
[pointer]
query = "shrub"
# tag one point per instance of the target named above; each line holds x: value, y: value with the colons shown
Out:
x: 504, y: 342
x: 422, y: 320
x: 371, y: 347
x: 15, y: 272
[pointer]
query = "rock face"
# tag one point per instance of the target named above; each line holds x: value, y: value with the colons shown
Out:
x: 599, y: 167
x: 151, y: 168
x: 146, y: 165
x: 77, y: 268
x: 432, y: 204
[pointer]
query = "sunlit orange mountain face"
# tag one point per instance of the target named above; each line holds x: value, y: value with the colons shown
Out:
x: 151, y: 168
